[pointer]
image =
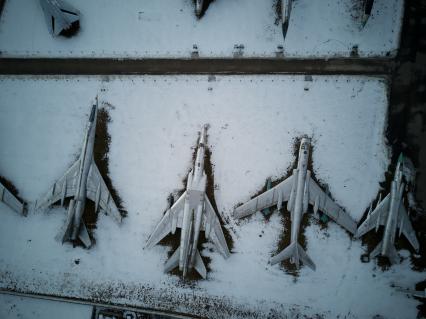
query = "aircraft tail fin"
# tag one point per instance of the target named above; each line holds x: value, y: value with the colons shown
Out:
x: 296, y: 253
x: 199, y: 265
x: 173, y: 261
x: 305, y: 258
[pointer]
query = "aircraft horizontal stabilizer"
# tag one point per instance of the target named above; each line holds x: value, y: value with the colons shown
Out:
x: 305, y: 258
x: 84, y: 236
x: 295, y: 251
x: 173, y: 261
x: 68, y: 224
x: 376, y: 251
x: 285, y: 254
x: 199, y: 265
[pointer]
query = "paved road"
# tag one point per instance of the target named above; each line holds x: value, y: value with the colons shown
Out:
x: 145, y: 311
x: 92, y: 66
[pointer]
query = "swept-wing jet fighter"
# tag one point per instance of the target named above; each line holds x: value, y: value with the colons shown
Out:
x: 299, y: 190
x: 10, y: 200
x: 391, y: 213
x: 285, y: 14
x: 82, y: 180
x: 61, y: 18
x: 193, y: 213
x: 198, y: 7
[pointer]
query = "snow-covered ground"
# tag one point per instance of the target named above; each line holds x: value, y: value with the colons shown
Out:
x: 154, y: 123
x: 13, y: 307
x: 169, y: 28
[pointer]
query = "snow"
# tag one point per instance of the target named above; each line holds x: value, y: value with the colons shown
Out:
x: 13, y: 307
x: 169, y: 28
x: 155, y: 122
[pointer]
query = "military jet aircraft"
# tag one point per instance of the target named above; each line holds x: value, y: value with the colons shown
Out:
x: 10, y: 200
x: 193, y: 213
x: 61, y: 18
x: 391, y: 213
x: 285, y: 14
x: 81, y: 180
x: 299, y: 190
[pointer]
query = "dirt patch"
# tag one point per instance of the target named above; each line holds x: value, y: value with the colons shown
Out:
x: 101, y: 153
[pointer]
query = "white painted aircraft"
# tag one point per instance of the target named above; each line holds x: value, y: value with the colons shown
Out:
x: 193, y: 213
x: 60, y: 16
x: 299, y: 190
x: 391, y: 213
x: 82, y: 180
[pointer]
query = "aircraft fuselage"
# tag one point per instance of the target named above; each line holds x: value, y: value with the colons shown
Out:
x: 193, y: 209
x: 298, y: 205
x: 397, y: 189
x: 86, y: 159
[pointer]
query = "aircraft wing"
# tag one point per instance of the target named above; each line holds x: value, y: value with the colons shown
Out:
x: 407, y: 228
x: 171, y: 219
x: 329, y: 207
x: 71, y: 12
x: 212, y: 228
x: 380, y: 212
x: 63, y: 187
x: 10, y: 200
x: 266, y: 199
x: 98, y: 192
